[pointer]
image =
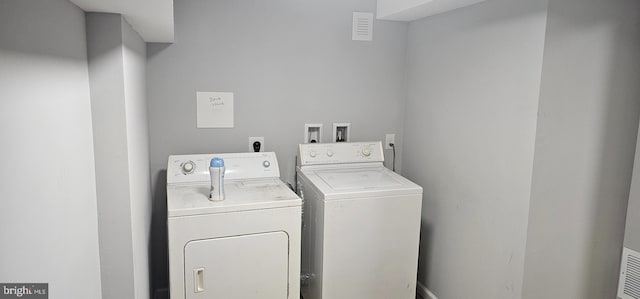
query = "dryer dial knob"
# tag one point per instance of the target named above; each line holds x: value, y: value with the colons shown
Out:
x: 266, y: 164
x: 313, y: 154
x: 188, y: 167
x: 366, y: 152
x: 329, y: 153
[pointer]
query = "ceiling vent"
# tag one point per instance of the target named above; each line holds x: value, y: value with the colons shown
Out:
x: 629, y: 286
x: 362, y: 26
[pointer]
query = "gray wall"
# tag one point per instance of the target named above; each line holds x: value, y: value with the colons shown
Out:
x: 588, y: 120
x: 474, y: 77
x: 117, y: 69
x: 632, y: 228
x: 288, y: 62
x: 48, y: 220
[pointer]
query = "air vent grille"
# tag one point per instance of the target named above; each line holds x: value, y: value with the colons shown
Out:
x: 362, y: 26
x: 629, y: 287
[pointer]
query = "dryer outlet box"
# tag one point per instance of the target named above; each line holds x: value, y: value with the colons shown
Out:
x: 253, y: 146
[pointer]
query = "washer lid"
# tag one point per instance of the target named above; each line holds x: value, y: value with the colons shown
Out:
x: 349, y: 179
x: 240, y: 195
x: 344, y: 183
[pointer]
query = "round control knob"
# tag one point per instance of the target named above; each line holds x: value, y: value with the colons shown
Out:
x: 329, y: 153
x: 188, y: 167
x: 366, y: 152
x: 266, y: 164
x: 313, y: 154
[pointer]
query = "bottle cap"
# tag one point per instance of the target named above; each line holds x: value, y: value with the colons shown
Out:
x: 216, y: 162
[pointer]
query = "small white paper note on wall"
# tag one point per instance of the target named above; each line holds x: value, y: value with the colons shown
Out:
x: 214, y: 109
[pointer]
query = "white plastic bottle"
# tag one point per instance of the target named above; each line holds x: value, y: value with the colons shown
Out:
x: 216, y: 170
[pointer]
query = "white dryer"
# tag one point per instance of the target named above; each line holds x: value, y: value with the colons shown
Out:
x: 361, y: 224
x: 247, y: 246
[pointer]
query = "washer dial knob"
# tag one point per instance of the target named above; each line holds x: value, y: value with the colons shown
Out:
x: 329, y: 153
x: 188, y: 167
x: 366, y: 152
x: 313, y: 154
x: 266, y: 164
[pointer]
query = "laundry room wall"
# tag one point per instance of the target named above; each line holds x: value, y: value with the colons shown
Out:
x: 586, y: 136
x: 288, y: 62
x: 473, y: 81
x: 48, y: 219
x: 117, y: 57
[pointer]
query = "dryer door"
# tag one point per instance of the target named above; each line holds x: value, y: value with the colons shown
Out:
x: 240, y: 267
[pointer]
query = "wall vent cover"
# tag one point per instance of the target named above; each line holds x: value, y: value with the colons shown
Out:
x: 362, y: 26
x: 629, y: 285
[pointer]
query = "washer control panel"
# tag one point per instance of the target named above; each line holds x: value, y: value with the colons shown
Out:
x: 195, y: 168
x: 340, y: 153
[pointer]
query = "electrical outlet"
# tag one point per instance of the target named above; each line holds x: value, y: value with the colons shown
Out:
x: 389, y: 138
x: 252, y: 146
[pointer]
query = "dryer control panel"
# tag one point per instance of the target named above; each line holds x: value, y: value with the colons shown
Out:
x: 340, y: 153
x: 195, y: 168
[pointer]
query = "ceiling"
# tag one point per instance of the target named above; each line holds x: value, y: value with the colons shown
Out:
x: 410, y: 10
x: 152, y: 19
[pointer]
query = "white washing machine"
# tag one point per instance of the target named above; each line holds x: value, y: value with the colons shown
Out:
x: 247, y: 246
x: 361, y: 224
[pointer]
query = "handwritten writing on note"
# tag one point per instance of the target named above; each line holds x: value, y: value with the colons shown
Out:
x: 214, y: 109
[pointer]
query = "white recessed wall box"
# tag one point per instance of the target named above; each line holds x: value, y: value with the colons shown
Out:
x: 312, y: 133
x: 410, y: 10
x: 341, y: 132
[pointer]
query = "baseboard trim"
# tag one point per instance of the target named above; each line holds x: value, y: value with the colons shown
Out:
x: 424, y: 292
